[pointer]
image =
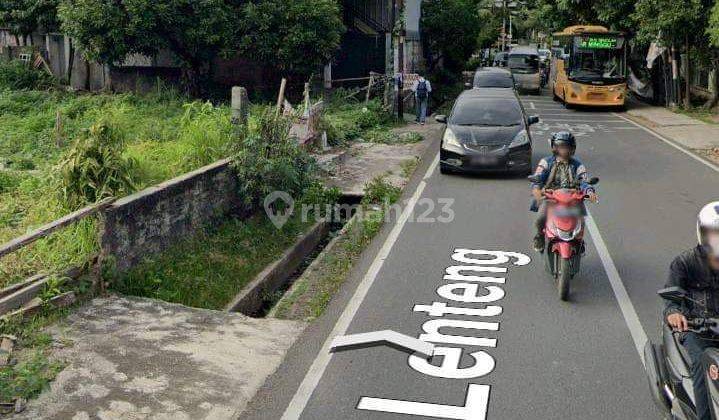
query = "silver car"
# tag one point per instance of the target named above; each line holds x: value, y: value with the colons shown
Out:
x: 524, y: 64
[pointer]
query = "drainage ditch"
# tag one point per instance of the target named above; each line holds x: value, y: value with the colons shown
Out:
x: 271, y: 291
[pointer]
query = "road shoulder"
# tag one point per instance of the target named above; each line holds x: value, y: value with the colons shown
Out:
x: 274, y: 396
x: 691, y: 135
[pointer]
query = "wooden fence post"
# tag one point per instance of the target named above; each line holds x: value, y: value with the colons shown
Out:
x: 369, y: 88
x: 281, y: 96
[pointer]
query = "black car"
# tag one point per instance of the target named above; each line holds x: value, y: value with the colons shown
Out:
x: 487, y: 131
x: 493, y: 77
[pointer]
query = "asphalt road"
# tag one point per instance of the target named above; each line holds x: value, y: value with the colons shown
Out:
x: 573, y: 360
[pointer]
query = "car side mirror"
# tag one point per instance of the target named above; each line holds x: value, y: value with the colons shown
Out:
x: 467, y: 85
x: 441, y: 119
x: 593, y: 181
x: 674, y: 294
x: 532, y: 119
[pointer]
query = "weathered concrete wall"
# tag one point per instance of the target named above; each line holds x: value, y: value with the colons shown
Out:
x: 150, y: 221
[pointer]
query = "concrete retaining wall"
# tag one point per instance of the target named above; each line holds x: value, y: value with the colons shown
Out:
x: 150, y: 221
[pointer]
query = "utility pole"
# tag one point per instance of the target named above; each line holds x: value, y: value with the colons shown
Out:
x: 399, y: 16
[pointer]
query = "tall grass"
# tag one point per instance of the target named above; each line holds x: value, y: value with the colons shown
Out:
x: 163, y: 133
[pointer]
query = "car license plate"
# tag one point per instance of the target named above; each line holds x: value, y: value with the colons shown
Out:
x: 485, y: 160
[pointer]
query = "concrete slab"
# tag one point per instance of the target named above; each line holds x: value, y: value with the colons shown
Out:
x: 684, y: 130
x: 365, y: 161
x: 662, y: 117
x: 135, y: 358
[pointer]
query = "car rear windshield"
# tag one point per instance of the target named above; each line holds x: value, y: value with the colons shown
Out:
x: 523, y: 61
x: 487, y: 112
x: 493, y: 80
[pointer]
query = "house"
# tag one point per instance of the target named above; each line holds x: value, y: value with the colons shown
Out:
x: 368, y: 45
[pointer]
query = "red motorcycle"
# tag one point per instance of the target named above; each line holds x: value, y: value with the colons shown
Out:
x: 564, y: 235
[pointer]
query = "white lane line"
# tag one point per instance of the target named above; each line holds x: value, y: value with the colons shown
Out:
x: 312, y: 378
x: 670, y: 142
x: 639, y: 336
x: 577, y: 120
x: 531, y: 105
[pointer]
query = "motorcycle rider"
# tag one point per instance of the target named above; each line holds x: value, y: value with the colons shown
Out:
x: 697, y: 272
x: 561, y: 170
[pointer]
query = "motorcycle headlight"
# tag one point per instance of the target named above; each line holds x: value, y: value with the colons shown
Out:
x: 520, y: 139
x: 450, y: 139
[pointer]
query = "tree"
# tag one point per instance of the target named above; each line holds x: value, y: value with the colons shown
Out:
x: 675, y: 23
x: 23, y: 17
x: 196, y: 31
x: 450, y: 30
x: 555, y: 15
x: 291, y: 35
x: 712, y: 32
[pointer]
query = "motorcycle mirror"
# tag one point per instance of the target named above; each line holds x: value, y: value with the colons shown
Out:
x: 674, y: 294
x: 594, y: 181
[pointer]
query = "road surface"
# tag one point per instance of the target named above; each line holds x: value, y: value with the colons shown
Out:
x: 539, y: 358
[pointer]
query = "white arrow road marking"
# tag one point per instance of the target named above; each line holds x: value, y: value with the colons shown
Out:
x: 312, y: 378
x: 384, y: 337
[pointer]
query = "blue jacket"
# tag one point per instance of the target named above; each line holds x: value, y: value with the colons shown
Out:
x: 545, y: 168
x: 579, y: 171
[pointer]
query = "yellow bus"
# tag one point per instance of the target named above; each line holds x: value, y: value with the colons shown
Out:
x: 589, y: 67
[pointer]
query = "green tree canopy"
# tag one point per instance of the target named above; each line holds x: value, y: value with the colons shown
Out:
x: 291, y: 35
x: 669, y: 20
x: 450, y: 29
x: 22, y: 17
x: 196, y: 31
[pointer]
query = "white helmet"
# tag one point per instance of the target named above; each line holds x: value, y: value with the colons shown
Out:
x: 708, y: 220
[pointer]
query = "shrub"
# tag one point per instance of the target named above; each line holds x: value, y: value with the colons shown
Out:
x: 94, y: 168
x: 380, y: 191
x: 18, y: 75
x: 269, y: 160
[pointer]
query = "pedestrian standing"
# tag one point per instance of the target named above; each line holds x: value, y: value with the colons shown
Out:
x: 421, y: 88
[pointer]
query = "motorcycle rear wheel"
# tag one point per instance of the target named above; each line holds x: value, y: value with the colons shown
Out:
x: 565, y: 274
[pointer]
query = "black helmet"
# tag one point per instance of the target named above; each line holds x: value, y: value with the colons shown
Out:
x: 563, y: 138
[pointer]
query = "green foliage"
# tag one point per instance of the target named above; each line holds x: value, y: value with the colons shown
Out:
x: 28, y: 378
x: 208, y: 270
x: 268, y: 160
x: 713, y: 26
x: 195, y: 31
x: 671, y: 19
x: 291, y: 35
x: 346, y: 121
x: 18, y: 75
x: 450, y: 28
x: 22, y: 17
x: 205, y: 130
x: 317, y: 193
x: 54, y: 286
x: 380, y: 191
x: 33, y: 371
x: 164, y: 135
x: 94, y: 167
